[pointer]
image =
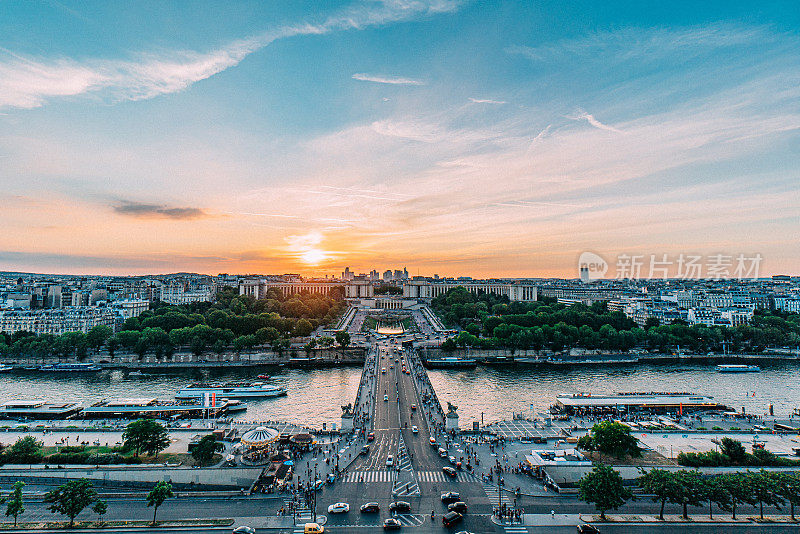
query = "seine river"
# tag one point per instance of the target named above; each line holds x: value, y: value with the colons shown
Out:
x: 315, y: 396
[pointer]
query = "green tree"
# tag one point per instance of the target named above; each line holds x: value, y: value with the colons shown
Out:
x: 100, y: 508
x: 71, y: 498
x: 145, y: 435
x: 734, y: 450
x: 789, y: 489
x: 603, y: 487
x: 715, y: 493
x: 98, y: 336
x: 14, y: 504
x: 690, y: 490
x: 738, y: 488
x: 203, y: 452
x: 612, y: 438
x: 26, y: 450
x: 160, y: 493
x: 342, y: 338
x: 766, y: 490
x: 303, y: 328
x: 661, y: 484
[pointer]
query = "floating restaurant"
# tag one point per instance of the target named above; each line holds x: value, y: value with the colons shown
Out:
x: 153, y: 408
x: 654, y: 402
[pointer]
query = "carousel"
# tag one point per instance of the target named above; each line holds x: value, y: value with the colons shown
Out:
x: 259, y: 444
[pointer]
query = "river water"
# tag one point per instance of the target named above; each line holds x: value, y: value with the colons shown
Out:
x: 315, y: 395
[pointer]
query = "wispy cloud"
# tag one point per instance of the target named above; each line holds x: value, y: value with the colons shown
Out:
x: 390, y: 80
x: 156, y: 211
x: 588, y: 117
x: 28, y: 82
x: 648, y: 44
x: 486, y: 101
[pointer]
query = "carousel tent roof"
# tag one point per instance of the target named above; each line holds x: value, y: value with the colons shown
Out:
x: 302, y: 439
x: 259, y: 436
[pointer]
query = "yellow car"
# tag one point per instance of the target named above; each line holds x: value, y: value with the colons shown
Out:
x: 313, y: 528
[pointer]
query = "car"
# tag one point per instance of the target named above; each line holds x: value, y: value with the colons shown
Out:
x: 449, y: 471
x: 244, y: 530
x: 464, y: 532
x: 452, y: 459
x: 442, y: 452
x: 458, y: 506
x: 383, y: 370
x: 588, y: 529
x: 433, y: 442
x: 391, y: 367
x: 370, y: 508
x: 386, y: 397
x: 313, y: 528
x: 450, y: 496
x: 400, y: 506
x: 365, y: 449
x: 414, y: 429
x: 318, y: 484
x: 451, y: 518
x: 371, y: 436
x: 392, y: 524
x: 339, y: 508
x: 389, y: 460
x: 413, y: 407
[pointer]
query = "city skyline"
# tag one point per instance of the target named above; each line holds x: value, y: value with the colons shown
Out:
x: 490, y: 139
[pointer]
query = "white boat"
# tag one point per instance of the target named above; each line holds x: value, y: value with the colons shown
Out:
x: 5, y: 368
x: 235, y: 405
x: 70, y: 367
x: 451, y: 362
x: 738, y: 368
x: 255, y: 390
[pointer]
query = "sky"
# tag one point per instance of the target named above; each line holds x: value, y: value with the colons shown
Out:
x: 481, y: 138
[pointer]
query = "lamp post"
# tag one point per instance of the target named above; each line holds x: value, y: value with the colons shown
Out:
x: 314, y: 497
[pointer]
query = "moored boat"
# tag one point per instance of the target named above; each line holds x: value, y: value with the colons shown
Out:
x: 70, y: 367
x: 738, y: 368
x: 234, y: 390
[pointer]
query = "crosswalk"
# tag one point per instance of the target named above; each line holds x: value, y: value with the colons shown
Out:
x: 302, y: 515
x: 439, y: 476
x: 405, y: 489
x: 371, y: 476
x: 515, y: 529
x: 491, y: 492
x: 407, y: 520
x: 410, y: 520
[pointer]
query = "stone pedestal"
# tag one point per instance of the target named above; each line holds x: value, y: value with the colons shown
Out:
x: 451, y: 422
x: 347, y: 423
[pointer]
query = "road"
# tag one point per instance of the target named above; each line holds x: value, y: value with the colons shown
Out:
x: 415, y: 475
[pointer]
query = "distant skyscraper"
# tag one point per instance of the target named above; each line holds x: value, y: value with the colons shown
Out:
x: 387, y: 275
x: 584, y: 274
x: 347, y: 274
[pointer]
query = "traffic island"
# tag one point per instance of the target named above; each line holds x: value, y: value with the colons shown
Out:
x: 58, y: 525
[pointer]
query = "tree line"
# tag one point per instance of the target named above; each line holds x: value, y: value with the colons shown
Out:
x: 73, y: 497
x: 604, y: 487
x: 491, y: 321
x: 233, y: 322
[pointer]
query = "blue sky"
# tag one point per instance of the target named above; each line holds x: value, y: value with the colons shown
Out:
x: 483, y: 138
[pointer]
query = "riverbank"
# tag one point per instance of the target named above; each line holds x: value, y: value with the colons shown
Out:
x: 187, y: 360
x: 533, y: 357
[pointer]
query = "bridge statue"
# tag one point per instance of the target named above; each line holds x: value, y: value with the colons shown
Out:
x: 451, y: 408
x: 347, y: 409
